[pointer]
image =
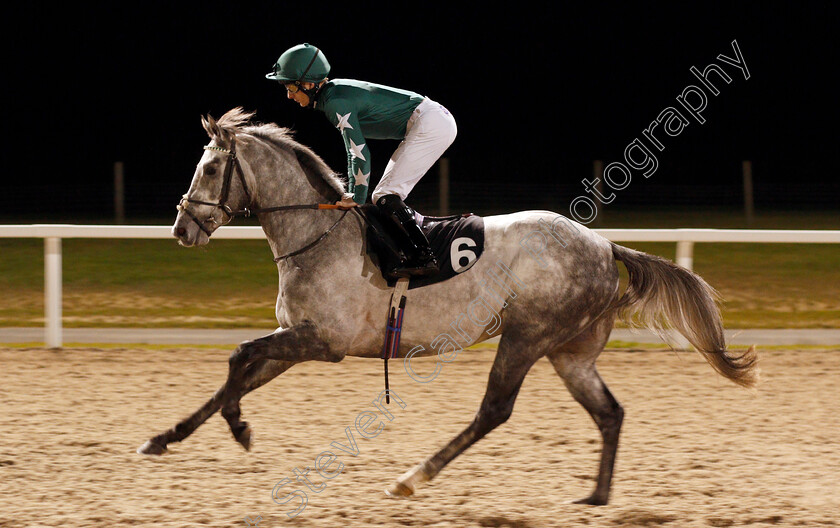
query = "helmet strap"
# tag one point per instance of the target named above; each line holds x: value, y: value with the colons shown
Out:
x: 311, y: 92
x: 311, y: 62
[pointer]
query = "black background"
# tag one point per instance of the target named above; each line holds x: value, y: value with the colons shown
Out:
x: 539, y: 91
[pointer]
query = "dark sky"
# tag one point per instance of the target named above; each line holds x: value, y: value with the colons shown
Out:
x: 538, y: 90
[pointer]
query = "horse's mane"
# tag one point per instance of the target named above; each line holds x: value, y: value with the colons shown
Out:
x: 238, y: 121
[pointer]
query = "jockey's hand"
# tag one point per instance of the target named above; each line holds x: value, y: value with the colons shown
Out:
x: 346, y: 202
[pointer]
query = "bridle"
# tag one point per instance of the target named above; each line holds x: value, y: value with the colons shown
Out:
x: 232, y: 165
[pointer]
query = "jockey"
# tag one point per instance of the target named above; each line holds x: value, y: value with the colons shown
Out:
x: 362, y: 111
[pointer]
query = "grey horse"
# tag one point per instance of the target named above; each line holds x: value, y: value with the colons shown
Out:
x: 548, y: 286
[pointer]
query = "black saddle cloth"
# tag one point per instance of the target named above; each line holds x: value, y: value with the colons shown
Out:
x: 457, y: 241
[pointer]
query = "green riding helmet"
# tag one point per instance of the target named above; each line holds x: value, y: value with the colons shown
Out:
x: 302, y: 63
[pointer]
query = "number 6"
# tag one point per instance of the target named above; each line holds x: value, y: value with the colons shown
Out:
x: 456, y: 254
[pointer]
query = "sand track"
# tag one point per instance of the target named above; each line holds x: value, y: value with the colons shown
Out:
x: 695, y: 450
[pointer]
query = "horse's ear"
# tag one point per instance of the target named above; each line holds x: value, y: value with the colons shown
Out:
x: 210, y: 126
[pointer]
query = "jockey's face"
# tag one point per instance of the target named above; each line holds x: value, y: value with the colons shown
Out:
x: 299, y: 97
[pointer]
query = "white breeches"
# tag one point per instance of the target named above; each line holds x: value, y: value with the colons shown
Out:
x: 429, y: 132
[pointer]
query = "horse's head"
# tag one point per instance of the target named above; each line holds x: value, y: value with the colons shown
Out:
x: 218, y: 191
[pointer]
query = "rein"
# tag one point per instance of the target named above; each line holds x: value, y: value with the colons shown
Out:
x: 231, y: 166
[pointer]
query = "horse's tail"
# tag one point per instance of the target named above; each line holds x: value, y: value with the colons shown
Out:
x: 662, y: 294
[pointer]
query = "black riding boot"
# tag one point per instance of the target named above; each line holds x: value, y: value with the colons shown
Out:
x: 422, y: 261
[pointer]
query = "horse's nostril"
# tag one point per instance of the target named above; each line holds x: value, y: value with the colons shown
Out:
x: 181, y: 231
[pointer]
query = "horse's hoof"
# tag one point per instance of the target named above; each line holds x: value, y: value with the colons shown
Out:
x: 244, y: 437
x: 399, y: 490
x: 151, y: 448
x: 592, y: 500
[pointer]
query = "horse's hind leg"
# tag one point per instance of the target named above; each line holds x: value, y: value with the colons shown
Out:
x: 259, y: 373
x: 509, y: 370
x: 575, y: 363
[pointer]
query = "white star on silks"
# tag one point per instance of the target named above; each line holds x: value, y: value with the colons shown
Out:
x: 361, y: 179
x: 357, y: 150
x: 342, y: 121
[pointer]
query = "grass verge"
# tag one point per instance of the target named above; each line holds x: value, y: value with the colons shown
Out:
x: 233, y: 284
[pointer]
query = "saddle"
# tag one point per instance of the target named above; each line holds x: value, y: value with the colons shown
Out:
x: 457, y: 242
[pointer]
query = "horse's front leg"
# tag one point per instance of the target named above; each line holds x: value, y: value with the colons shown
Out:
x: 296, y: 344
x: 258, y: 374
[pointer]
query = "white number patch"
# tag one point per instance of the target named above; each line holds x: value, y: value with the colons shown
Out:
x: 462, y: 259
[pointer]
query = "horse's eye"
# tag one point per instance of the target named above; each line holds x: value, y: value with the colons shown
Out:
x: 210, y: 170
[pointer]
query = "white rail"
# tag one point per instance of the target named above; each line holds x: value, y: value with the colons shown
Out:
x: 53, y: 233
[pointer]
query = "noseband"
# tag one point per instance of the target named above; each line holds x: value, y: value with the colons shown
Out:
x: 231, y: 166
